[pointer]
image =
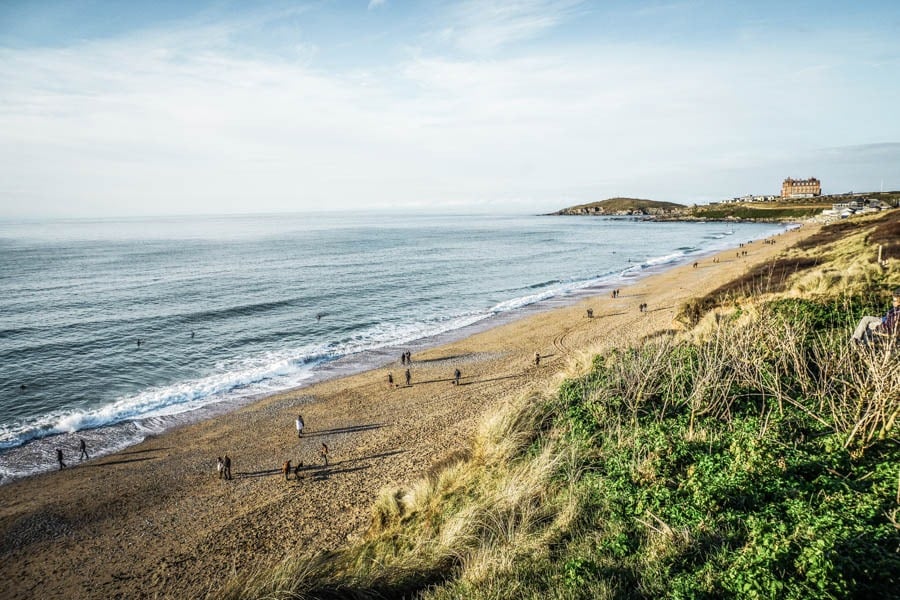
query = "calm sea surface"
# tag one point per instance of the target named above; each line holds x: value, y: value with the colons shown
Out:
x: 228, y: 308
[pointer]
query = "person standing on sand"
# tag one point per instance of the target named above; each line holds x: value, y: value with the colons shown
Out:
x: 220, y: 467
x: 408, y: 377
x: 456, y: 376
x: 537, y: 359
x: 59, y: 459
x: 84, y: 454
x: 227, y: 462
x: 300, y: 425
x: 324, y: 453
x: 390, y: 380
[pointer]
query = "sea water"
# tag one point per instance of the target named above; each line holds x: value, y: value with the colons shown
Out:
x: 114, y: 329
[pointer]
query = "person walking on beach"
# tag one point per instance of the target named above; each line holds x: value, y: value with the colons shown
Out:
x: 324, y: 453
x: 590, y: 313
x: 300, y: 425
x: 220, y: 467
x: 390, y: 380
x: 59, y: 459
x: 84, y: 454
x: 227, y: 464
x: 537, y: 359
x: 408, y: 357
x: 456, y: 376
x: 408, y: 377
x: 286, y: 469
x: 403, y: 358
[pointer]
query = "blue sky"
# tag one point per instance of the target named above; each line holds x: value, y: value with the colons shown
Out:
x: 129, y: 108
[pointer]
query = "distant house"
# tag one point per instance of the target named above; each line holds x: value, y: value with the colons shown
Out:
x: 801, y: 188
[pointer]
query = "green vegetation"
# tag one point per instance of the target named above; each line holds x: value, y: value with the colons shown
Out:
x: 756, y: 212
x: 753, y: 456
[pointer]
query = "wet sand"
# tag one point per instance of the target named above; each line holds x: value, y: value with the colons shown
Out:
x: 154, y: 521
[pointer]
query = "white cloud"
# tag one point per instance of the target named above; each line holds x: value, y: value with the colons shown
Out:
x: 373, y: 4
x: 181, y: 122
x: 483, y: 26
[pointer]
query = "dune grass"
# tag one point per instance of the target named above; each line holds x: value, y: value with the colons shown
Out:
x: 754, y: 456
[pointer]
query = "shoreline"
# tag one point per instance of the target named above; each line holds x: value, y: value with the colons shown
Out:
x: 154, y: 521
x: 118, y: 437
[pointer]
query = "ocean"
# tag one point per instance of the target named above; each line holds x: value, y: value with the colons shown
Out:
x: 115, y: 329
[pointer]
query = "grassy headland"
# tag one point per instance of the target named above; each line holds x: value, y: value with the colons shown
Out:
x: 751, y: 454
x: 779, y: 210
x: 624, y: 206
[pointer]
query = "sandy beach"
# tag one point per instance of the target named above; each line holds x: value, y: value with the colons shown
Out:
x: 155, y: 521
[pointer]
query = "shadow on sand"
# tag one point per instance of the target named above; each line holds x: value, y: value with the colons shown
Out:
x: 337, y: 430
x: 144, y: 451
x: 443, y: 358
x: 321, y: 471
x: 117, y: 462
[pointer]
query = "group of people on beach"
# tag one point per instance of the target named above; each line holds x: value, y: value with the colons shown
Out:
x: 287, y: 469
x: 407, y: 375
x: 82, y: 446
x: 223, y: 467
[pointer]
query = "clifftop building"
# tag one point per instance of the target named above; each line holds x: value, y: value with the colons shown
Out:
x: 801, y: 188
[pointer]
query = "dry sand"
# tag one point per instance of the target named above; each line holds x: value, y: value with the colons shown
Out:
x: 154, y: 520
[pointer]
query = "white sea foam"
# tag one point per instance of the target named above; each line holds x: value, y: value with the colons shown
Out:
x: 255, y: 376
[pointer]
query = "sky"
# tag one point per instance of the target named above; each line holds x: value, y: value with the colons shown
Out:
x: 112, y: 108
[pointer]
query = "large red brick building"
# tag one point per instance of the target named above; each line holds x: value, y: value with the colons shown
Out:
x: 801, y: 188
